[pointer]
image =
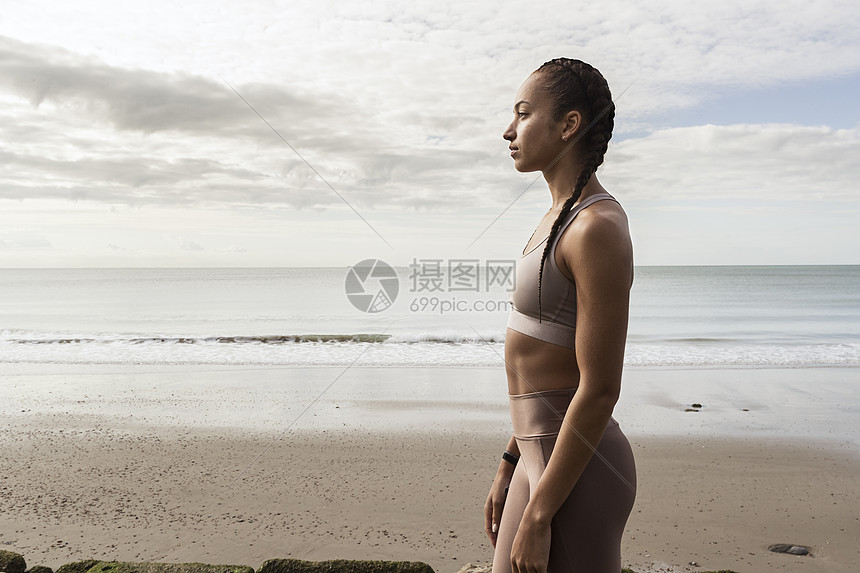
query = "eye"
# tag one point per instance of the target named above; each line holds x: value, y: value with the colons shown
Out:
x: 521, y: 113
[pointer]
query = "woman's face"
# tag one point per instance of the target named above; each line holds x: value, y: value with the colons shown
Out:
x: 535, y: 138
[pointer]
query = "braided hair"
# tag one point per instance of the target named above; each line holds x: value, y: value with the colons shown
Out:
x: 575, y: 85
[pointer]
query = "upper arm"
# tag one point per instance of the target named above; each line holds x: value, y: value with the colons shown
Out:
x: 599, y: 253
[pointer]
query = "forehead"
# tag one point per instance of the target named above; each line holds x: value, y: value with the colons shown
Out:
x: 531, y: 91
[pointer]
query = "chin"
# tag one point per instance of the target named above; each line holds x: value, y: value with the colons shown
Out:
x: 523, y: 168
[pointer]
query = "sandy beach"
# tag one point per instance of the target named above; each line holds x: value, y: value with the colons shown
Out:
x: 180, y: 464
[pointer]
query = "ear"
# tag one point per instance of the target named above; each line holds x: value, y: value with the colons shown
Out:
x: 571, y: 125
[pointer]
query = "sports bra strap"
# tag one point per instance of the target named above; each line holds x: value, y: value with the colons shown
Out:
x: 574, y: 212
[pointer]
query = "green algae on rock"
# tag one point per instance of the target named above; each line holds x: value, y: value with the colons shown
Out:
x: 342, y: 566
x: 11, y: 562
x: 94, y: 566
x: 77, y: 566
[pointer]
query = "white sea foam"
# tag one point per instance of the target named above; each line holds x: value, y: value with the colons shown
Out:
x: 357, y: 349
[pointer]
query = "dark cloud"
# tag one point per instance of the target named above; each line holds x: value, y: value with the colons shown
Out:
x: 148, y: 101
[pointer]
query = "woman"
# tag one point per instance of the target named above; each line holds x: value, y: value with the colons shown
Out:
x: 567, y: 481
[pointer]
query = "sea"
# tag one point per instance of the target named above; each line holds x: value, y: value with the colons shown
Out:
x: 370, y: 314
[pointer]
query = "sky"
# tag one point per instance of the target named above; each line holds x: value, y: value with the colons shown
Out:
x: 275, y: 134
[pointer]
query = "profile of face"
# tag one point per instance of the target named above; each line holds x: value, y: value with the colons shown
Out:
x: 535, y: 136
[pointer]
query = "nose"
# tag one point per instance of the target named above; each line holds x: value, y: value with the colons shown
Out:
x: 509, y: 133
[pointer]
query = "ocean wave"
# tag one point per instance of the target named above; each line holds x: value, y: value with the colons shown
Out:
x: 172, y: 339
x: 23, y: 337
x: 368, y: 349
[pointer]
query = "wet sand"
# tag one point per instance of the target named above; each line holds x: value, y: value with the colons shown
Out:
x: 108, y: 482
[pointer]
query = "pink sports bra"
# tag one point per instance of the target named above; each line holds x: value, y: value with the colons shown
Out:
x: 557, y: 323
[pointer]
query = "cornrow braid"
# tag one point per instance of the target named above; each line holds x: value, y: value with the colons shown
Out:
x: 575, y: 85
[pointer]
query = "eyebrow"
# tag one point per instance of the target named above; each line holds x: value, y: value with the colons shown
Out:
x: 519, y: 102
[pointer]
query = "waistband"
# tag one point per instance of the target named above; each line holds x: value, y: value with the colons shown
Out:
x: 540, y: 414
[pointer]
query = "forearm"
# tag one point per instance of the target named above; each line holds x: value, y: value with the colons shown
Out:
x: 580, y: 433
x: 513, y: 447
x: 506, y: 467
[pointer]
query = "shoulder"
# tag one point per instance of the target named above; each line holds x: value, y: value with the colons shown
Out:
x: 600, y: 222
x: 598, y: 238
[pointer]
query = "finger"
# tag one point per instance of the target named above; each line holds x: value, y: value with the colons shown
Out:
x: 494, y: 529
x: 488, y: 529
x: 492, y: 536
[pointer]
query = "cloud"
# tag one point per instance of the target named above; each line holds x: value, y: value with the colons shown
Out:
x: 24, y: 240
x: 143, y: 100
x: 187, y: 245
x: 101, y: 133
x: 123, y: 171
x: 768, y: 161
x: 398, y: 108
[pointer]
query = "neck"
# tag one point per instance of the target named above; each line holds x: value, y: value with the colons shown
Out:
x: 561, y: 178
x: 562, y: 192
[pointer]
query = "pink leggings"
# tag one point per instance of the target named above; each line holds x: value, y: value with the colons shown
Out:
x: 587, y: 530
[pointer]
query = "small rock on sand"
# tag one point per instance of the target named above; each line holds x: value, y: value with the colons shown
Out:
x: 790, y: 548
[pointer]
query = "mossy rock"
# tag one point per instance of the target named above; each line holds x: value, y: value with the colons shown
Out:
x: 77, y: 566
x: 342, y: 566
x: 11, y: 562
x: 94, y: 566
x: 40, y: 569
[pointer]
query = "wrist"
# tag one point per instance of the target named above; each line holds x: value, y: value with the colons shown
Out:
x: 508, y: 463
x: 505, y: 469
x: 536, y: 514
x: 511, y: 457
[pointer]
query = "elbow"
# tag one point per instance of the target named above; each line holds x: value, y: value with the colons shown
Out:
x: 602, y: 398
x: 606, y: 400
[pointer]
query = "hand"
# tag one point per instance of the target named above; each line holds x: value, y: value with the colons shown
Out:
x: 494, y: 505
x: 530, y: 551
